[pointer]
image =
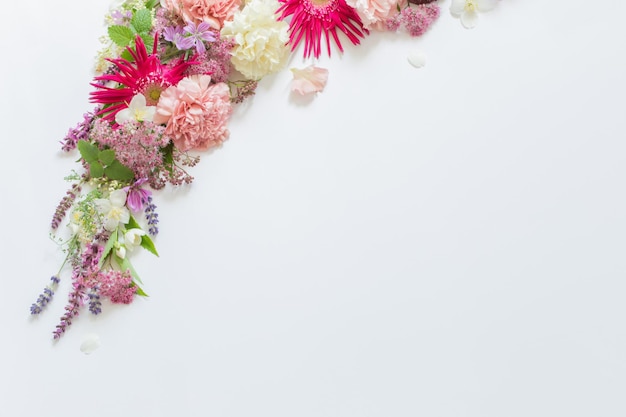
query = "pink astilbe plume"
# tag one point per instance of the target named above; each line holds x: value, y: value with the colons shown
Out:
x: 117, y: 286
x: 312, y: 18
x: 416, y: 20
x: 146, y: 75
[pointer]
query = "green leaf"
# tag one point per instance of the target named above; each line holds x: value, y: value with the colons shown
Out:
x: 127, y: 56
x: 140, y: 291
x: 121, y: 35
x: 96, y: 170
x: 142, y: 21
x: 132, y: 223
x: 87, y: 151
x: 106, y: 156
x: 108, y: 248
x: 148, y: 245
x: 148, y: 40
x: 150, y: 4
x: 125, y: 265
x: 168, y: 156
x: 146, y: 241
x: 117, y: 171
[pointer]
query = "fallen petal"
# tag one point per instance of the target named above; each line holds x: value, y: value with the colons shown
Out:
x: 417, y: 59
x: 91, y: 342
x: 309, y: 80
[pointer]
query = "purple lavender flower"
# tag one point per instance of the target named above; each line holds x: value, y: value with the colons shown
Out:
x: 81, y: 131
x: 95, y: 306
x: 45, y: 297
x: 198, y: 34
x: 152, y: 217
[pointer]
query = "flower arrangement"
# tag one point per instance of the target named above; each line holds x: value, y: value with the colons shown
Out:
x: 167, y: 78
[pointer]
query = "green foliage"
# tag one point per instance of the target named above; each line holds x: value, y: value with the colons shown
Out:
x: 140, y: 25
x: 102, y: 163
x: 107, y: 156
x: 121, y: 35
x: 151, y: 4
x: 141, y: 21
x: 168, y: 156
x: 146, y: 241
x: 140, y: 291
x: 88, y: 151
x: 108, y: 248
x: 117, y: 171
x: 96, y: 170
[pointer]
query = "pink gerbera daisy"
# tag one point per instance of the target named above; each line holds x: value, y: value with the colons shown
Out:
x: 311, y: 18
x: 145, y: 75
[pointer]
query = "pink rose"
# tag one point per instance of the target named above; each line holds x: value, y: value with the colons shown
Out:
x: 196, y: 113
x: 214, y: 12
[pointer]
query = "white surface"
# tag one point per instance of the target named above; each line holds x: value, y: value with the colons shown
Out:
x: 446, y: 242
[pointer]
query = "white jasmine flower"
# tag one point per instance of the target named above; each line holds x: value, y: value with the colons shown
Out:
x: 113, y: 209
x: 120, y: 251
x: 132, y: 238
x: 136, y: 110
x: 468, y: 10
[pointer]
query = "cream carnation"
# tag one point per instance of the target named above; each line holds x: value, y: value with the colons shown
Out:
x: 196, y: 113
x: 260, y: 40
x: 374, y: 13
x: 214, y: 12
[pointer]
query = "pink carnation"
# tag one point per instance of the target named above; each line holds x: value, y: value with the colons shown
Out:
x: 214, y: 12
x: 196, y: 113
x: 374, y: 13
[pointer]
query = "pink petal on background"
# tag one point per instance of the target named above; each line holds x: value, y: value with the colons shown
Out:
x: 308, y: 80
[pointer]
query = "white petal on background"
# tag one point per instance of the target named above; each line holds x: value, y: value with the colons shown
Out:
x: 91, y: 342
x: 469, y: 19
x: 417, y: 59
x: 486, y: 5
x: 457, y: 7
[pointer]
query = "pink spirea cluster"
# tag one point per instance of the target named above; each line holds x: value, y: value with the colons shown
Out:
x: 215, y: 61
x: 416, y: 19
x: 117, y: 286
x: 137, y: 145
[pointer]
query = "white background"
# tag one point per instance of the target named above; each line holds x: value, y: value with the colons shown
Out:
x: 446, y: 241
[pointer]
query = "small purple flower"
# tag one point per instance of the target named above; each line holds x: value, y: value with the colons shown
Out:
x: 137, y: 196
x: 198, y: 34
x: 177, y: 37
x: 121, y: 18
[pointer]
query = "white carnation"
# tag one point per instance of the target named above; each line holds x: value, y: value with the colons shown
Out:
x: 260, y: 40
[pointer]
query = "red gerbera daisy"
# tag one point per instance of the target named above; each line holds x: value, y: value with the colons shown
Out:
x: 311, y: 18
x: 145, y: 75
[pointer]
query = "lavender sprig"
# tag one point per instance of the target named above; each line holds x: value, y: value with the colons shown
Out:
x: 45, y: 297
x: 64, y: 205
x: 152, y: 217
x: 95, y: 306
